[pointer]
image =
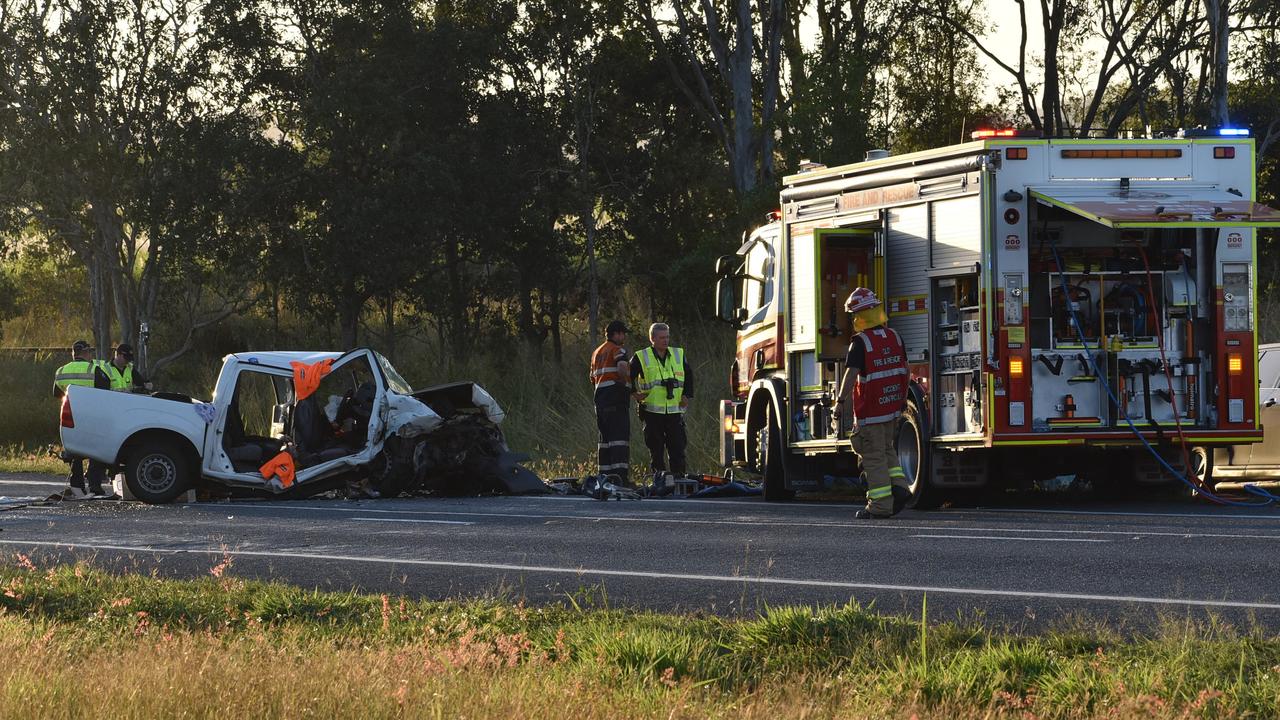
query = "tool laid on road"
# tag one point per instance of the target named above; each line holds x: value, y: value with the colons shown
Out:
x: 601, y: 488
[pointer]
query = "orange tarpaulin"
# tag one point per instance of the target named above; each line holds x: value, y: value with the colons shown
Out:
x: 306, y: 378
x: 280, y: 466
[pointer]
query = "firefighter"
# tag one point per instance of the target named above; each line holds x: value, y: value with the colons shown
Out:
x: 124, y: 376
x: 663, y: 384
x: 610, y: 374
x: 877, y: 360
x: 82, y: 370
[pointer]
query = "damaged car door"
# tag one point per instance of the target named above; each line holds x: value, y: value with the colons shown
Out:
x: 327, y: 412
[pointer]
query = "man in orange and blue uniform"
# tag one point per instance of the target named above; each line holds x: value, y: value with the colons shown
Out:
x: 876, y: 373
x: 610, y: 374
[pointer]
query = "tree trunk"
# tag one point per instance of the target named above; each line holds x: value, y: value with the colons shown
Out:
x: 275, y: 314
x: 525, y: 321
x: 389, y: 325
x: 556, y: 312
x: 1219, y: 14
x: 593, y: 282
x: 109, y: 237
x: 456, y: 322
x: 1051, y: 17
x: 741, y: 87
x: 99, y: 301
x: 349, y: 306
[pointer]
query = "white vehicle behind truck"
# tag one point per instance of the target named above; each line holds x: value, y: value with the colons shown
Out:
x: 369, y: 422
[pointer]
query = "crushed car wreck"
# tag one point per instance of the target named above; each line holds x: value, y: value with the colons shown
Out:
x: 299, y: 423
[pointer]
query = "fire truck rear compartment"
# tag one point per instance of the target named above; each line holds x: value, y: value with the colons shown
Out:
x: 1096, y: 309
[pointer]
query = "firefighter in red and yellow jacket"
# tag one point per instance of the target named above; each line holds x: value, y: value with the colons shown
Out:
x: 611, y: 373
x: 878, y: 362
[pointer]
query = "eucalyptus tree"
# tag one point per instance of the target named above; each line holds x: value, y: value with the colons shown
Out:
x: 114, y: 110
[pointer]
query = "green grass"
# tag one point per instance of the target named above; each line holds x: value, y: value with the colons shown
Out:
x: 224, y: 647
x: 29, y: 420
x: 20, y: 458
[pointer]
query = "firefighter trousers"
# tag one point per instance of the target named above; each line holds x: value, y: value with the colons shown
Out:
x: 664, y: 435
x: 614, y: 448
x: 874, y: 445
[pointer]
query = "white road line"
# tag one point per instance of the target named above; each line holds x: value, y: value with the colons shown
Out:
x: 42, y: 483
x: 1201, y: 516
x: 582, y: 571
x: 880, y: 526
x: 414, y: 520
x: 1007, y: 537
x: 758, y: 502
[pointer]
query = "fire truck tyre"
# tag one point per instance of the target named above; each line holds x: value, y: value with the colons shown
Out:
x: 913, y: 456
x: 1202, y: 466
x: 769, y: 458
x: 157, y: 471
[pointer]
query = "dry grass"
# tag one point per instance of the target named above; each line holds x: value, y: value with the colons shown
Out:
x: 81, y: 643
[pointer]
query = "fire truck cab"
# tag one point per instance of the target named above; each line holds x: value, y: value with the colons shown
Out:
x: 1067, y: 306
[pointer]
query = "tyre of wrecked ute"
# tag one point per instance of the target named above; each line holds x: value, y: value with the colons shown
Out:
x: 392, y: 470
x: 157, y: 471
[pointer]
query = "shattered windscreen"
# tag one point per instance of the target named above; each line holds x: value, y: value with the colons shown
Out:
x: 394, y: 381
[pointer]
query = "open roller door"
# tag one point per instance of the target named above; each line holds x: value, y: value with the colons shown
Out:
x: 1182, y: 208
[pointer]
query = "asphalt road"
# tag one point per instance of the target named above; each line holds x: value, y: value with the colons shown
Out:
x: 1032, y: 564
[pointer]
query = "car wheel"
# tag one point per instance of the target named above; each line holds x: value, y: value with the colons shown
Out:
x: 157, y: 471
x: 769, y: 460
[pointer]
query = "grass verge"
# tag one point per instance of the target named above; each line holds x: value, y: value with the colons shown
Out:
x: 19, y: 459
x: 223, y: 647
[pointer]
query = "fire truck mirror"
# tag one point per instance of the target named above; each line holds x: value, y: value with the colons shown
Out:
x: 727, y: 306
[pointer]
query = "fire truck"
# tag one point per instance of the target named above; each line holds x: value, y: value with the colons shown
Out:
x: 1077, y: 306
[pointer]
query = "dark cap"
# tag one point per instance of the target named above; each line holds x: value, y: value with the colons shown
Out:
x: 125, y: 349
x: 80, y: 346
x: 615, y: 327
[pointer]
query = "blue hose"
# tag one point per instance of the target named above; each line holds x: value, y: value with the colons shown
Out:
x: 1268, y: 498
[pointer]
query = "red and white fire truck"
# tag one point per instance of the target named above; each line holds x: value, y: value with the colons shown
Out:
x: 1061, y: 302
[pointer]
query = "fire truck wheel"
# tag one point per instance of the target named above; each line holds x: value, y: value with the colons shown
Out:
x: 1202, y: 466
x: 913, y: 456
x: 769, y: 457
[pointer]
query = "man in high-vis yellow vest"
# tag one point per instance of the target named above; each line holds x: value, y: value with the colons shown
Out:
x: 82, y: 370
x: 662, y: 382
x: 123, y: 375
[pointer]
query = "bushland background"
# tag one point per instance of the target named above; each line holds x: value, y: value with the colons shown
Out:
x: 474, y: 187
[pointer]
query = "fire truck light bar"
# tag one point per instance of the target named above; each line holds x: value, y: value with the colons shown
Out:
x: 1120, y: 154
x: 1216, y: 132
x: 1003, y: 133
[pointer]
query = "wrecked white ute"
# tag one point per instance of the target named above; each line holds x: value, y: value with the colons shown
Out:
x: 299, y: 422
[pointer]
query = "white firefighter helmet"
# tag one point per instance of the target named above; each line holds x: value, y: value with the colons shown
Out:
x: 861, y: 299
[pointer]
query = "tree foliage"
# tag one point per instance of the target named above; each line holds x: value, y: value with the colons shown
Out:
x: 477, y: 171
